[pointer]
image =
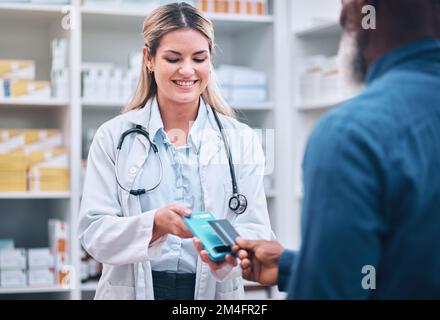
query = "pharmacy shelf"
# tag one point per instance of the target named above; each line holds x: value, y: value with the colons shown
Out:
x: 89, y: 286
x: 326, y: 29
x: 27, y: 102
x: 34, y: 195
x: 130, y: 20
x: 32, y: 290
x: 34, y: 14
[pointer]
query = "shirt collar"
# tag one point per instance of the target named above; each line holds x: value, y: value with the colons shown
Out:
x: 400, y: 55
x: 156, y: 127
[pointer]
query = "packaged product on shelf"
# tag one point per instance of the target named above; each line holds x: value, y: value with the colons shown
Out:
x: 310, y: 80
x: 51, y: 175
x: 41, y: 277
x: 94, y: 80
x: 331, y: 81
x: 58, y: 243
x: 58, y: 240
x: 60, y: 83
x: 51, y: 1
x: 60, y: 54
x: 242, y: 84
x: 13, y: 278
x: 17, y: 69
x: 40, y: 258
x: 35, y: 157
x: 18, y: 88
x: 29, y: 140
x: 102, y: 3
x: 13, y: 259
x: 146, y: 5
x: 115, y: 85
x: 261, y: 7
x: 13, y: 170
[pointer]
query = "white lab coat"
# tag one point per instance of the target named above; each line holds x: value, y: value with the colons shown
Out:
x: 115, y: 232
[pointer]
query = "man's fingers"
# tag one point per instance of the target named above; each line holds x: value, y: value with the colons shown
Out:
x: 248, y: 244
x: 245, y: 264
x: 243, y: 254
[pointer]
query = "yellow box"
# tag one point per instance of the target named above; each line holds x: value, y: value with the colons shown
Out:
x: 17, y: 69
x: 26, y: 89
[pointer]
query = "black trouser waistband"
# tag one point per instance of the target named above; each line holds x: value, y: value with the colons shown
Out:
x: 173, y: 286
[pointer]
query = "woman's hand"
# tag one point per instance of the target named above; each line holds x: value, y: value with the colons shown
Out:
x: 214, y: 266
x: 169, y: 220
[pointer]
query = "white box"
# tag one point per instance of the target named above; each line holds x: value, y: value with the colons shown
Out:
x: 13, y: 259
x: 41, y: 278
x: 40, y: 258
x: 13, y: 278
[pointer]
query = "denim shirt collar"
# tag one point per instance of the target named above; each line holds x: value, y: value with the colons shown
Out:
x: 400, y: 55
x: 156, y: 127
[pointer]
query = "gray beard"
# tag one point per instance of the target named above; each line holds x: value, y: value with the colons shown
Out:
x: 352, y: 61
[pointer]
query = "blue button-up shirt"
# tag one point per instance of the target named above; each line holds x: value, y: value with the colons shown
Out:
x: 371, y: 209
x: 180, y: 184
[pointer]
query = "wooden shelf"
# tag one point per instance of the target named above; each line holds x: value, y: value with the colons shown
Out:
x: 34, y: 195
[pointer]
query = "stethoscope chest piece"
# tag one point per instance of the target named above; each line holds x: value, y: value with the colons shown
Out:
x: 238, y: 203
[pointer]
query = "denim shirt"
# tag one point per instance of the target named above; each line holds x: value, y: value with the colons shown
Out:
x: 180, y: 184
x: 371, y: 208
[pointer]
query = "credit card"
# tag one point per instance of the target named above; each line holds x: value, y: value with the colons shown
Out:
x: 225, y: 231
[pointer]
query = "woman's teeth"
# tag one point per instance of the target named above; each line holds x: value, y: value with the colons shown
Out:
x: 185, y: 83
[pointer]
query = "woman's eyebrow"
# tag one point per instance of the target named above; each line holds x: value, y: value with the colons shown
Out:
x: 178, y: 53
x: 174, y: 52
x: 200, y: 52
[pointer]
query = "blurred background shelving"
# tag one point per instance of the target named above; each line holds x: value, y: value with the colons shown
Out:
x: 90, y: 33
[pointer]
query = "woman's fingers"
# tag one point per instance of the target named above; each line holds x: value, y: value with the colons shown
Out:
x: 180, y: 210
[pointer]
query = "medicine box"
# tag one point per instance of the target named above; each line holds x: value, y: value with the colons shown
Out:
x: 40, y: 258
x: 13, y: 259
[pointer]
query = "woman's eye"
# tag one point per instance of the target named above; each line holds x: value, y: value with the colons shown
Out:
x: 199, y: 60
x: 172, y: 60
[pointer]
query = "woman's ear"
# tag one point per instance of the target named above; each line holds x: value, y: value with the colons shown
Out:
x: 148, y: 60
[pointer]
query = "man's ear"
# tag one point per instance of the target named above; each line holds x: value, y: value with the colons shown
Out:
x: 351, y: 15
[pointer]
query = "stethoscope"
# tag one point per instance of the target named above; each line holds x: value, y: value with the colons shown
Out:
x: 237, y: 202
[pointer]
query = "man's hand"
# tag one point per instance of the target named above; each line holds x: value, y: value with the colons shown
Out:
x: 214, y: 266
x: 259, y: 260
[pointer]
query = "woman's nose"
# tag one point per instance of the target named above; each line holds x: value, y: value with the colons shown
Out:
x: 186, y: 69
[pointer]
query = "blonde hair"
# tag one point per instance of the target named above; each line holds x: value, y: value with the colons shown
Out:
x: 161, y: 21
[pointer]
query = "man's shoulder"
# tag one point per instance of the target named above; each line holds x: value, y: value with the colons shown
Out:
x: 370, y: 113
